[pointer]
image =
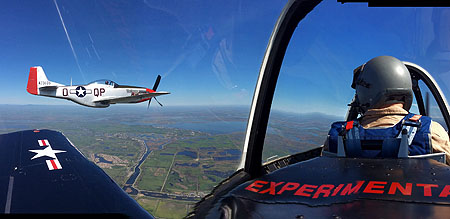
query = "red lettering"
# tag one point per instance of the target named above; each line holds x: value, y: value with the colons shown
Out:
x: 288, y: 187
x: 257, y: 184
x: 404, y: 190
x: 271, y: 190
x: 325, y: 189
x: 336, y: 190
x: 372, y: 185
x: 305, y: 188
x: 348, y: 190
x: 427, y: 188
x: 445, y: 192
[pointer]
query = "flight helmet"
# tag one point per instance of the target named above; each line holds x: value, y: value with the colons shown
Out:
x: 382, y: 81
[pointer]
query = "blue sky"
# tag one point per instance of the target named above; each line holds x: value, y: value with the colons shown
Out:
x: 334, y: 39
x: 209, y: 52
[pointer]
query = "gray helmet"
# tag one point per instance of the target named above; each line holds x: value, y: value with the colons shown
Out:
x: 382, y: 81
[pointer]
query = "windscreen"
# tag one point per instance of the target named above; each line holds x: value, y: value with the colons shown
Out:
x: 314, y: 86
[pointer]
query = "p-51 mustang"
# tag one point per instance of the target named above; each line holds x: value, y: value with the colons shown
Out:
x: 100, y: 93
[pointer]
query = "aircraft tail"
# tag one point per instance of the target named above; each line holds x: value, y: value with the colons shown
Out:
x: 37, y: 79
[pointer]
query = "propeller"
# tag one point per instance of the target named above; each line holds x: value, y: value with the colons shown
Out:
x: 158, y: 101
x: 155, y: 86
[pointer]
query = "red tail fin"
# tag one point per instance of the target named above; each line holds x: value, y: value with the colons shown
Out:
x: 32, y: 81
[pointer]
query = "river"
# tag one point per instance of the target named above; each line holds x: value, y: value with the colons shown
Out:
x: 137, y: 169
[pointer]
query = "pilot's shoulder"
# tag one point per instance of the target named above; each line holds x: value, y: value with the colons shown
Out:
x: 438, y: 130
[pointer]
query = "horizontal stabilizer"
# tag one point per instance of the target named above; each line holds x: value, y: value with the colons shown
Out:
x: 38, y: 80
x: 48, y: 88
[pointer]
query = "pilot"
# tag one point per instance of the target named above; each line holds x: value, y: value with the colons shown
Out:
x: 383, y: 97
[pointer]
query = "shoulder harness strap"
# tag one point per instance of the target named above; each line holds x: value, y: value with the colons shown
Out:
x: 411, y: 125
x: 351, y: 130
x: 349, y: 135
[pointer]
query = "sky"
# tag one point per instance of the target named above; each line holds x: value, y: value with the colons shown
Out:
x: 334, y: 39
x: 210, y: 52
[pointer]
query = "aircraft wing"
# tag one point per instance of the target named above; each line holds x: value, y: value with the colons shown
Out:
x: 135, y: 98
x: 42, y: 172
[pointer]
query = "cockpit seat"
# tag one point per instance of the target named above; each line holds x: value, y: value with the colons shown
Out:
x: 410, y: 138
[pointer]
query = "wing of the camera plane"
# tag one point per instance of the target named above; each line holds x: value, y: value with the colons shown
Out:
x: 42, y: 172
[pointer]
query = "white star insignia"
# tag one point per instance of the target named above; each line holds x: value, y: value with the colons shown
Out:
x: 48, y: 151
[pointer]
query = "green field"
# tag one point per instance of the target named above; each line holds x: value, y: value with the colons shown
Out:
x: 192, y: 165
x: 165, y: 208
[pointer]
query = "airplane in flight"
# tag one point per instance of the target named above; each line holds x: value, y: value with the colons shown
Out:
x: 98, y: 94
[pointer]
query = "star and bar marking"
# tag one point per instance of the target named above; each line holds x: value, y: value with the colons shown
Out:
x: 48, y: 151
x: 80, y: 91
